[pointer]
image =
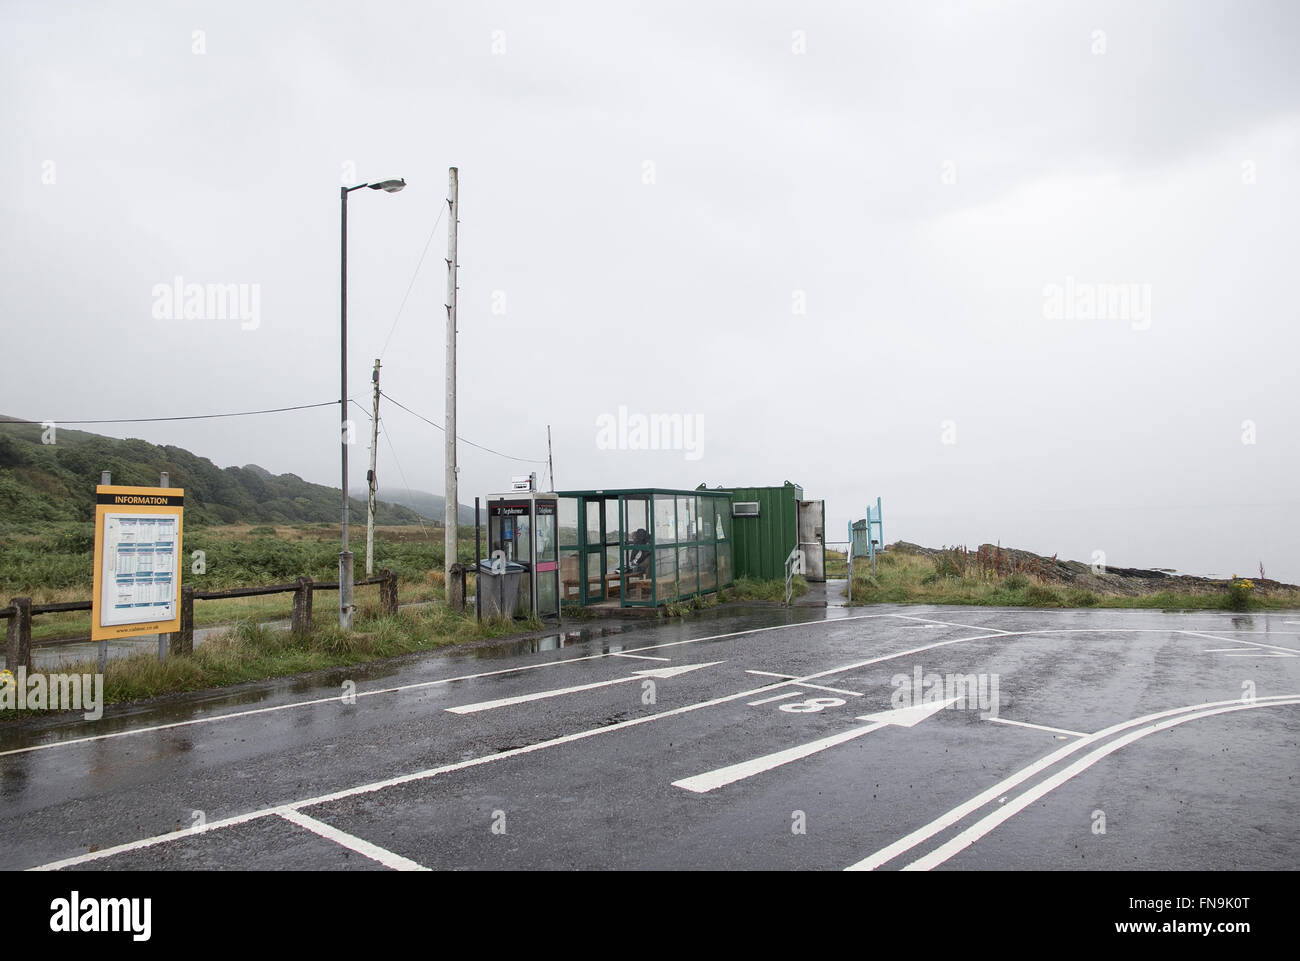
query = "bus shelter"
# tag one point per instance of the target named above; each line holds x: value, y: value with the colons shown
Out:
x: 642, y: 547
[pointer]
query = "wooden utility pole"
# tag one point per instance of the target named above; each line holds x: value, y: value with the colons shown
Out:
x: 371, y: 480
x: 550, y: 464
x: 451, y: 513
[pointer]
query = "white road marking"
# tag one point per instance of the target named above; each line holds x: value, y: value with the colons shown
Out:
x: 361, y: 846
x: 833, y: 690
x: 935, y: 621
x: 1257, y: 654
x: 655, y: 672
x: 712, y: 780
x: 495, y: 756
x: 1289, y: 651
x: 779, y: 697
x: 233, y: 715
x: 1040, y: 727
x: 924, y: 833
x: 982, y: 827
x: 788, y: 677
x: 541, y: 745
x: 640, y: 657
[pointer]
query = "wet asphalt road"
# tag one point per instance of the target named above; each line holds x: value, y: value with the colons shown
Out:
x: 1119, y: 740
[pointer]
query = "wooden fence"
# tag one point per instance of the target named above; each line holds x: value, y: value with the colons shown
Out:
x: 21, y: 610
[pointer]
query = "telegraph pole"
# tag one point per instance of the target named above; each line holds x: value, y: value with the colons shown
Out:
x: 371, y: 479
x: 550, y: 463
x: 451, y: 512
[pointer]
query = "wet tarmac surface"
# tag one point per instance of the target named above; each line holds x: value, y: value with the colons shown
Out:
x: 811, y: 738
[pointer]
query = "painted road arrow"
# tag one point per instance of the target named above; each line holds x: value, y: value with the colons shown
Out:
x: 901, y: 717
x: 656, y: 672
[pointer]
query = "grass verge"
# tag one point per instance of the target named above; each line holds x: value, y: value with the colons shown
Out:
x: 914, y: 579
x: 251, y: 652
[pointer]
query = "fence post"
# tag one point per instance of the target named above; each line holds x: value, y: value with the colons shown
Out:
x: 183, y: 640
x: 456, y: 587
x: 18, y: 637
x: 388, y: 592
x: 302, y: 607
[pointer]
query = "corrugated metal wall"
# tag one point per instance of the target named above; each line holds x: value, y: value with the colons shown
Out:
x: 761, y: 544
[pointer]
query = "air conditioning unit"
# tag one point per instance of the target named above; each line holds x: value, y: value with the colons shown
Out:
x: 744, y: 509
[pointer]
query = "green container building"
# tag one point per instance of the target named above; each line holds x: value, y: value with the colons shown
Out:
x: 765, y: 529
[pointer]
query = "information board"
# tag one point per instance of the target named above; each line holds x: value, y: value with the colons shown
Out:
x: 137, y: 561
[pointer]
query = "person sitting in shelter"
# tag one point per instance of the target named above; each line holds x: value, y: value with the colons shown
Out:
x: 638, y: 558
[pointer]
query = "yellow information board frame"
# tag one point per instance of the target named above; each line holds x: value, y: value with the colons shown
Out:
x: 118, y: 506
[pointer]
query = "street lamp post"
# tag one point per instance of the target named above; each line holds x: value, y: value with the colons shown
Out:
x: 346, y: 606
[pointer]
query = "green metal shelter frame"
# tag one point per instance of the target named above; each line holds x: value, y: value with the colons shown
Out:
x: 643, y: 546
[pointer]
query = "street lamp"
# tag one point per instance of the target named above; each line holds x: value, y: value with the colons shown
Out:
x: 345, y: 556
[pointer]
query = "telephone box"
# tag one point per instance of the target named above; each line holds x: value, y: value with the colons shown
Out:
x: 522, y: 542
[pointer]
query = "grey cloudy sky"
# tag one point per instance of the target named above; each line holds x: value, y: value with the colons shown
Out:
x: 827, y: 231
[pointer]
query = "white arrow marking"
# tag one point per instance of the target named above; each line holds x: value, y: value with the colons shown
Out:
x: 903, y: 717
x: 655, y: 672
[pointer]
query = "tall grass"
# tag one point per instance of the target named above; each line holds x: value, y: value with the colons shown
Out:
x: 956, y: 576
x: 250, y: 652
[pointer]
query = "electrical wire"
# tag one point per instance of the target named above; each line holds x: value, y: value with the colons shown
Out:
x: 441, y: 211
x: 526, y: 460
x: 153, y: 420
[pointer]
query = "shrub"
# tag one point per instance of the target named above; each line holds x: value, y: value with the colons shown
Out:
x: 1240, y: 591
x: 1016, y: 582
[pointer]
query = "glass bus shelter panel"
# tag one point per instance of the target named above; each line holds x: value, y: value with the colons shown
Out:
x: 685, y: 520
x: 637, y: 585
x: 665, y: 518
x: 708, y: 567
x: 570, y: 563
x: 687, y: 578
x: 665, y: 574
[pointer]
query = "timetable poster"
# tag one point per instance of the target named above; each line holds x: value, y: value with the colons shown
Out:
x: 137, y: 566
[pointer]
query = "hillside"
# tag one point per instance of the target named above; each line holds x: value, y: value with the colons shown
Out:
x: 56, y: 482
x: 427, y: 505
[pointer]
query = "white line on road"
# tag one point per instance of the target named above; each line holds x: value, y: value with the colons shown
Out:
x: 656, y: 672
x: 788, y: 677
x: 1290, y: 651
x: 833, y: 690
x: 712, y: 780
x: 1041, y: 727
x: 925, y: 832
x: 982, y: 827
x: 541, y: 745
x: 361, y: 846
x: 337, y: 699
x: 968, y: 627
x: 495, y: 756
x: 640, y: 657
x: 779, y: 697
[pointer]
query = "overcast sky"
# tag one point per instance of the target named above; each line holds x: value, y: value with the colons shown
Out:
x: 1026, y: 271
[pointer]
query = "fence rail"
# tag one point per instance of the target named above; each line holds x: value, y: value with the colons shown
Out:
x: 21, y: 610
